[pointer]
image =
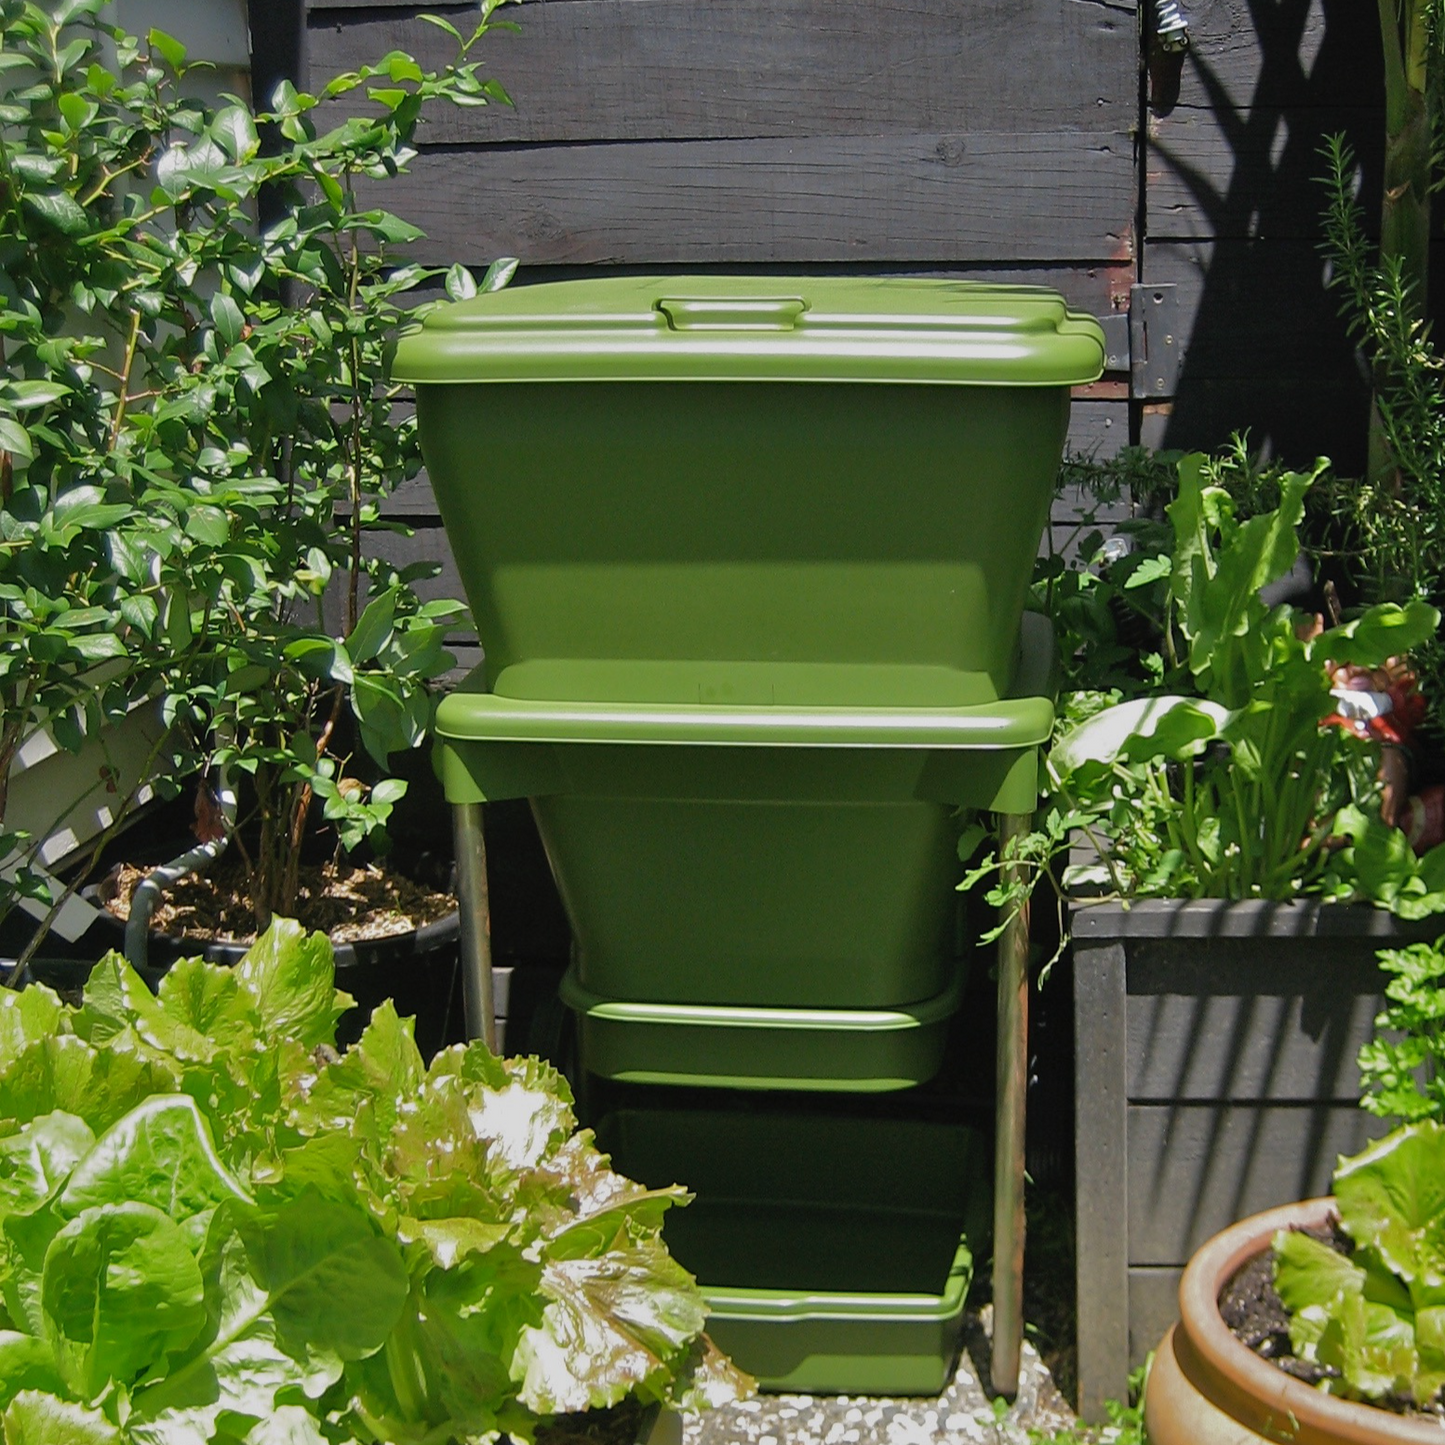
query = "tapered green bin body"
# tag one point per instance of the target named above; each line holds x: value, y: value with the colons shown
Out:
x: 831, y: 1251
x: 760, y: 897
x: 754, y: 490
x: 748, y: 557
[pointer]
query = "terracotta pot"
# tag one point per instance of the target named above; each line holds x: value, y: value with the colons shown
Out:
x: 1206, y: 1388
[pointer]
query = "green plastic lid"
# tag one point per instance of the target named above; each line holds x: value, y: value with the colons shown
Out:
x: 757, y: 328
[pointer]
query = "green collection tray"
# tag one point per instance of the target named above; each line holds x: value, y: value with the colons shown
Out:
x: 835, y: 1253
x: 870, y: 1051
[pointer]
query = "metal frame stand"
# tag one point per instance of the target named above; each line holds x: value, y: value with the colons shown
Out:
x: 1008, y: 1163
x: 476, y: 922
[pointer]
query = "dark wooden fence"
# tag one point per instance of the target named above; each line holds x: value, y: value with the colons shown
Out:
x: 1007, y: 139
x: 993, y: 139
x: 1231, y: 206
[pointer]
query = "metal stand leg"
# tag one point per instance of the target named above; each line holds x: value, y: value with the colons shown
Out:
x: 476, y: 922
x: 1008, y: 1166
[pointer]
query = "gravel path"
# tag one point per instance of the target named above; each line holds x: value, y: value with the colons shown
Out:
x: 962, y: 1415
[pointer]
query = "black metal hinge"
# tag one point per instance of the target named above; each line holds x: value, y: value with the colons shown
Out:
x: 1144, y: 342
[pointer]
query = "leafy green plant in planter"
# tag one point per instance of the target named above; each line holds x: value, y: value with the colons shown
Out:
x: 1224, y: 781
x: 195, y: 409
x: 211, y: 1222
x: 1227, y: 779
x: 1375, y: 1318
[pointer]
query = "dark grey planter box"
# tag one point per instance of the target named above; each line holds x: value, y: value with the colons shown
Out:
x: 1215, y: 1076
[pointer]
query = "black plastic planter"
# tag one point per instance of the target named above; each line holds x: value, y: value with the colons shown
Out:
x: 418, y: 971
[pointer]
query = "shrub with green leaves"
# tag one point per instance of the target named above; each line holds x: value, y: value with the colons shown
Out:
x: 196, y: 429
x: 1375, y: 1318
x: 215, y: 1229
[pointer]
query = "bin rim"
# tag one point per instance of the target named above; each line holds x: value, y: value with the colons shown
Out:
x: 466, y: 715
x: 688, y: 328
x: 743, y: 1303
x: 897, y: 1019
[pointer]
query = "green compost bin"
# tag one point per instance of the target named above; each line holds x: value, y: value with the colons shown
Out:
x: 832, y: 1050
x: 748, y: 490
x: 835, y: 1254
x: 760, y: 897
x: 748, y: 557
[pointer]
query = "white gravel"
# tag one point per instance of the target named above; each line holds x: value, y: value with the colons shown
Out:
x: 962, y: 1415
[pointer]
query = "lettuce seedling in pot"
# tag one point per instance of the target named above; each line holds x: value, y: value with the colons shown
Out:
x: 1375, y: 1318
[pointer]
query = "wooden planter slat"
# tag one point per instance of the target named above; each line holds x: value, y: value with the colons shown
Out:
x: 1194, y: 1169
x: 1244, y: 1028
x: 940, y: 197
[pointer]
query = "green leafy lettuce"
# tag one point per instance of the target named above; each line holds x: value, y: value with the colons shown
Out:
x: 1376, y: 1318
x: 214, y: 1228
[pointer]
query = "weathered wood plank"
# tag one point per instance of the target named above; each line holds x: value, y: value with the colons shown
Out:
x: 1153, y: 1307
x: 1263, y: 920
x: 458, y: 12
x: 1210, y: 1024
x: 1195, y: 1168
x: 1265, y: 349
x: 1292, y: 53
x: 939, y: 198
x: 1098, y: 429
x: 1290, y: 421
x: 427, y: 543
x: 1101, y: 1160
x: 673, y: 69
x: 1256, y: 173
x: 1097, y: 287
x: 1252, y: 309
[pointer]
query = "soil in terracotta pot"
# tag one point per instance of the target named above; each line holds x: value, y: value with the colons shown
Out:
x: 349, y: 903
x: 1256, y: 1316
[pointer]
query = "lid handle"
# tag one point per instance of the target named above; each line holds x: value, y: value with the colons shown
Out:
x: 762, y: 313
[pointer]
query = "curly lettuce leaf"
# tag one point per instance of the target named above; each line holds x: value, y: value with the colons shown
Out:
x: 36, y: 1417
x: 1392, y: 1201
x: 214, y: 1228
x: 610, y: 1326
x: 160, y: 1154
x: 289, y: 977
x: 121, y: 1292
